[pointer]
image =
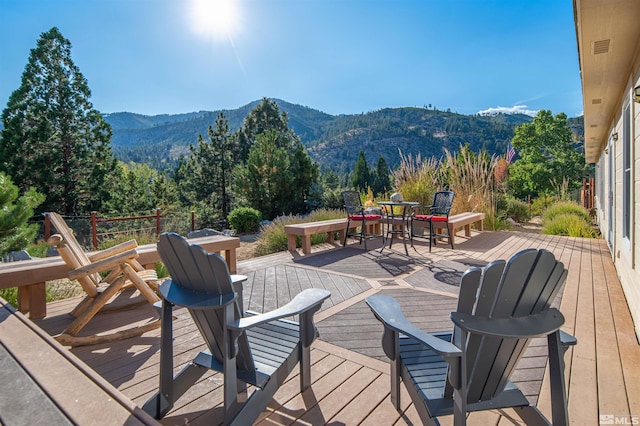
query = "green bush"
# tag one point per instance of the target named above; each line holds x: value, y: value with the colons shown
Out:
x: 495, y: 222
x: 245, y: 219
x: 38, y: 249
x: 142, y: 238
x: 273, y: 239
x: 569, y: 225
x: 517, y: 210
x: 540, y: 204
x: 565, y: 207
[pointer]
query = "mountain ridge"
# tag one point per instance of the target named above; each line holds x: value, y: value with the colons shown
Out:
x: 334, y: 141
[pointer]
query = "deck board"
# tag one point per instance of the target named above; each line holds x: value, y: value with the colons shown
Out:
x: 350, y: 377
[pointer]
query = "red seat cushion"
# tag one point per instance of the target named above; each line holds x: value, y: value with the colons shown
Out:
x: 430, y: 218
x: 439, y: 219
x: 366, y: 217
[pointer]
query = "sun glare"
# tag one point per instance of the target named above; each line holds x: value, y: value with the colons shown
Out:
x: 216, y: 19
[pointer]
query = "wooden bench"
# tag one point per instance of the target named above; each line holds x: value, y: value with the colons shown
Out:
x: 30, y: 275
x: 457, y: 222
x: 306, y: 230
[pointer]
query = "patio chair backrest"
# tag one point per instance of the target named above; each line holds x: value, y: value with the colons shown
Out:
x: 76, y: 256
x: 352, y: 202
x: 198, y: 272
x: 442, y: 203
x: 526, y: 284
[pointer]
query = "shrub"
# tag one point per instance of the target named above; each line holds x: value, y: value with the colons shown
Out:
x: 142, y: 238
x: 245, y: 219
x: 565, y: 207
x: 570, y: 225
x: 273, y: 239
x: 540, y: 204
x: 38, y: 249
x: 517, y: 210
x: 161, y: 270
x: 417, y: 180
x: 495, y: 222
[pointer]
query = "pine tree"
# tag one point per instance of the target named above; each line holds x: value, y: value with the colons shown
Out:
x: 51, y: 127
x: 15, y: 233
x: 266, y: 181
x: 210, y: 172
x: 361, y: 173
x: 302, y: 171
x: 382, y: 182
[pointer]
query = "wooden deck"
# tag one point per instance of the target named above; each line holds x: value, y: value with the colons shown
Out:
x: 349, y: 372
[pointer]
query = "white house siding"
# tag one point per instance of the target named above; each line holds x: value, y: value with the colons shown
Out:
x: 625, y: 252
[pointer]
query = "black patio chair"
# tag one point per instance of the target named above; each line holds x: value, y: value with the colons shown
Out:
x: 356, y: 213
x: 438, y: 214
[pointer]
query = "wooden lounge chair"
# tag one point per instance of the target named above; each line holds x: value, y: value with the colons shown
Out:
x: 120, y: 269
x: 259, y: 350
x: 437, y: 218
x: 500, y: 308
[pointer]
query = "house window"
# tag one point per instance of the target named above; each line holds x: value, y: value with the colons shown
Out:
x: 626, y: 173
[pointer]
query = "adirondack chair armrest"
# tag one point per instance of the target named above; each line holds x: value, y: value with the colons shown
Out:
x: 303, y: 302
x: 535, y: 325
x: 112, y: 251
x: 567, y: 339
x: 102, y: 265
x: 180, y: 296
x: 388, y: 311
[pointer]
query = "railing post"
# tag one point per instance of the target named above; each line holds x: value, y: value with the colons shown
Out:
x: 193, y: 220
x: 158, y: 222
x: 94, y: 230
x: 47, y: 227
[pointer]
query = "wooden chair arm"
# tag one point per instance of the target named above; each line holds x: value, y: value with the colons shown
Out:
x: 388, y: 311
x: 102, y: 265
x: 112, y: 251
x: 303, y: 302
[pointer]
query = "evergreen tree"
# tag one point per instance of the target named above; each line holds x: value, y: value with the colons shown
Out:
x: 165, y: 193
x: 382, y: 182
x: 361, y: 173
x: 53, y: 139
x: 15, y: 233
x: 209, y: 173
x: 133, y: 193
x: 266, y: 118
x: 266, y: 180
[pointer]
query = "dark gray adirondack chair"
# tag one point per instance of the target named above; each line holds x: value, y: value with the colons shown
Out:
x: 259, y: 350
x: 500, y: 308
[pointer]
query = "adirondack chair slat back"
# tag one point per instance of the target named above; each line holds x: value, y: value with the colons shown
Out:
x: 74, y: 255
x: 526, y: 285
x: 192, y: 268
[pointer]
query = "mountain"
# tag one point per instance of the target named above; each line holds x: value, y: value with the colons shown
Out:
x: 334, y: 141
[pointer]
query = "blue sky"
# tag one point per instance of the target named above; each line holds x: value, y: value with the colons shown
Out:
x: 338, y: 56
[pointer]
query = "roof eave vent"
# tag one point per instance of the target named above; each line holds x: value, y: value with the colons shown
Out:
x: 600, y: 46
